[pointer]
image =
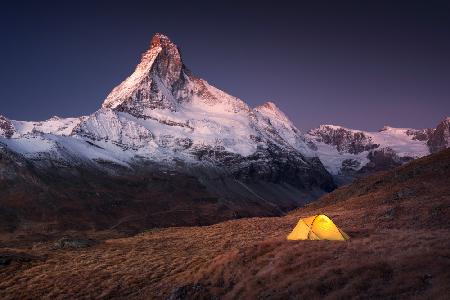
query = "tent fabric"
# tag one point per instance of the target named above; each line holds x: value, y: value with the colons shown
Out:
x: 317, y: 227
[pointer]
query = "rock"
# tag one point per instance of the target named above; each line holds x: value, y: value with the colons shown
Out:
x: 440, y: 139
x: 6, y: 127
x: 345, y: 140
x: 184, y: 292
x: 18, y: 257
x: 4, y: 261
x: 72, y: 243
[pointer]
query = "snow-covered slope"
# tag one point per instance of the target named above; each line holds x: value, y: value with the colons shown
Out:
x: 344, y: 150
x: 54, y: 125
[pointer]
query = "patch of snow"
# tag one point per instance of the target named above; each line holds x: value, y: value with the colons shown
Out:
x: 332, y: 159
x: 57, y: 126
x: 29, y: 145
x: 398, y: 140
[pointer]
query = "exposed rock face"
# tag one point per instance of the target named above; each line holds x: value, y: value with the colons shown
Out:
x: 152, y: 83
x: 440, y: 139
x: 72, y: 243
x: 383, y: 159
x: 421, y: 135
x: 168, y: 65
x: 6, y: 127
x: 287, y: 167
x: 345, y: 140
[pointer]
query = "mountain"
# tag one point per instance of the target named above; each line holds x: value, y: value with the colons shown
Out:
x: 349, y: 153
x: 167, y: 148
x: 399, y: 248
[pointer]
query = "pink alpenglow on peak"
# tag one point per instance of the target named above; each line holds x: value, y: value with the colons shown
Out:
x: 154, y: 77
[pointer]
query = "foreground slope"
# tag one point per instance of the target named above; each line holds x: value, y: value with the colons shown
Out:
x: 399, y: 247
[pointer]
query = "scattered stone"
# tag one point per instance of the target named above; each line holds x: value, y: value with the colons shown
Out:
x: 4, y: 261
x: 73, y: 243
x: 405, y: 193
x: 7, y: 258
x: 390, y: 213
x: 183, y: 292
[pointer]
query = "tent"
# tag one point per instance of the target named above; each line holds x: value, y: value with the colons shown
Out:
x: 317, y: 227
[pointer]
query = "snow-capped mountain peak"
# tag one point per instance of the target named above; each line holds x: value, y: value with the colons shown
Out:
x: 168, y: 64
x: 152, y: 82
x: 162, y: 82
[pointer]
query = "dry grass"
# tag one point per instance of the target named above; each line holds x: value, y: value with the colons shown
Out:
x: 148, y: 264
x: 399, y: 248
x: 389, y: 264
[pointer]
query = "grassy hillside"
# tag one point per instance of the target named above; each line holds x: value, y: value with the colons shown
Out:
x: 398, y: 222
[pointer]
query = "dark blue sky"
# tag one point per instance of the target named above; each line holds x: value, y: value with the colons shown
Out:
x: 361, y: 65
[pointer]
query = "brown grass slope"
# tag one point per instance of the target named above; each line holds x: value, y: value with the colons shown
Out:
x: 399, y: 248
x: 400, y: 227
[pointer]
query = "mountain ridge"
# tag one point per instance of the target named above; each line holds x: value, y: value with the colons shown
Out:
x: 361, y: 141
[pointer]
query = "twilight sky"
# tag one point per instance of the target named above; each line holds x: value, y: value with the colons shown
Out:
x: 337, y: 62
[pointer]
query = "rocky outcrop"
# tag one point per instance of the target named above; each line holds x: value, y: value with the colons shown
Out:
x: 383, y: 159
x: 440, y: 138
x: 420, y: 134
x: 6, y: 127
x: 343, y: 139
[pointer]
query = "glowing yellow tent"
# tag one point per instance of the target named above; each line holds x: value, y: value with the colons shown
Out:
x: 317, y: 227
